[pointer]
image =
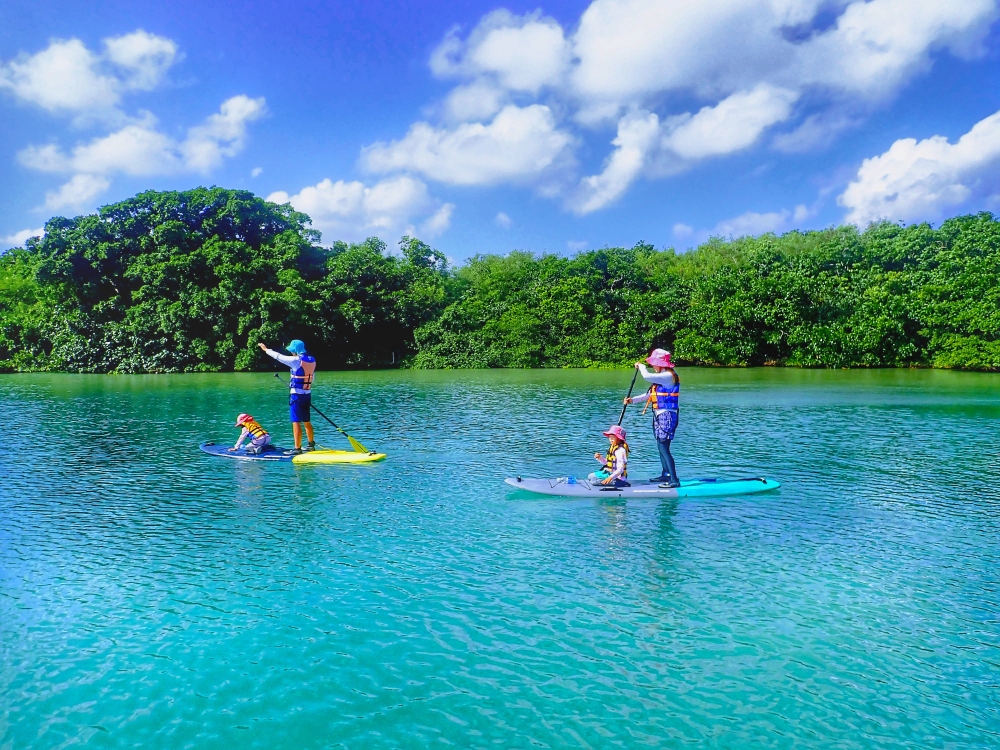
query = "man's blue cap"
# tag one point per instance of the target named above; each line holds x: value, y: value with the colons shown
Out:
x: 296, y: 347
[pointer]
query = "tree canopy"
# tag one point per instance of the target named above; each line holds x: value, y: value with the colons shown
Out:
x: 191, y: 281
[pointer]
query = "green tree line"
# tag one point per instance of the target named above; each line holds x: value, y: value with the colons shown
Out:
x: 190, y: 281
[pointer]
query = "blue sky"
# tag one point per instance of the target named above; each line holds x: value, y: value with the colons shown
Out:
x: 487, y: 127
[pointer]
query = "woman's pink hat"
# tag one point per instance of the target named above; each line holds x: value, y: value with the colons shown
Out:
x: 242, y: 418
x: 659, y: 358
x: 617, y: 431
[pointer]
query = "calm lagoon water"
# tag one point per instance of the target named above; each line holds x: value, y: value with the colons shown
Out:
x: 151, y: 596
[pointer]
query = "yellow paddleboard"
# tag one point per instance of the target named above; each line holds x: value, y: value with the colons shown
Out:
x: 336, y: 457
x: 274, y: 453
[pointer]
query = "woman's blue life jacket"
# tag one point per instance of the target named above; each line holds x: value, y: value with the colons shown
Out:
x: 664, y: 396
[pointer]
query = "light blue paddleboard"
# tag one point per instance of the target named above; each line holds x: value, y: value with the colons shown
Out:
x: 562, y: 487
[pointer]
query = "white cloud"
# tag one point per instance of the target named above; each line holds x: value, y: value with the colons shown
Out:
x: 256, y: 171
x: 751, y: 223
x: 19, y: 238
x: 815, y: 132
x: 141, y: 150
x: 439, y: 222
x: 637, y: 133
x: 222, y: 134
x: 731, y: 125
x: 62, y: 77
x: 751, y: 61
x: 352, y: 210
x: 502, y: 220
x: 135, y: 150
x: 68, y: 77
x: 77, y: 193
x: 748, y: 62
x: 477, y: 101
x: 144, y: 58
x: 523, y: 53
x: 876, y: 45
x: 518, y: 145
x: 919, y: 180
x: 629, y: 50
x: 736, y: 123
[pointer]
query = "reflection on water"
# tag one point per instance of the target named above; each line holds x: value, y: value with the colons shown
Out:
x: 150, y: 595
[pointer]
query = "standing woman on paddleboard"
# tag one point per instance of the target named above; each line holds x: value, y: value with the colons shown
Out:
x: 663, y: 397
x: 303, y: 367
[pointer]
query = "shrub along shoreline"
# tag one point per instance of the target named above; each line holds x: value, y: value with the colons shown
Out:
x: 190, y: 281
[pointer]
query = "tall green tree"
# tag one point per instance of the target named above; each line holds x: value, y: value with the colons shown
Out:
x: 187, y: 281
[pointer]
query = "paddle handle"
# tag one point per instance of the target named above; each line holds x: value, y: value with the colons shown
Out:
x: 625, y: 406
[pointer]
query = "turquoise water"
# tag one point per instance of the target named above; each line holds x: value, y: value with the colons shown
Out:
x: 151, y: 596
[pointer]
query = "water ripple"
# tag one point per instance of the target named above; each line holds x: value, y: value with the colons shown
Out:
x: 150, y: 595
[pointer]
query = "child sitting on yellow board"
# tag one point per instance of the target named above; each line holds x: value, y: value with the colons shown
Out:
x: 259, y: 438
x: 614, y: 465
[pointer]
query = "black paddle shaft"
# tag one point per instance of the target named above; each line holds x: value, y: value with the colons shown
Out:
x: 625, y: 406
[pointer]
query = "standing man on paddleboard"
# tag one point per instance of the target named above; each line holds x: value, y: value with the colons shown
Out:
x: 303, y: 367
x: 663, y: 397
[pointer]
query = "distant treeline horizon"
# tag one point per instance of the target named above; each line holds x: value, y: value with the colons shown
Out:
x: 191, y: 281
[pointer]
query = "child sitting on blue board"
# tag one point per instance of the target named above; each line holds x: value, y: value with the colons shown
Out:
x: 259, y: 438
x: 614, y: 465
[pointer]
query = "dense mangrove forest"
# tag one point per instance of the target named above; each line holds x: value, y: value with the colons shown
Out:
x: 191, y: 281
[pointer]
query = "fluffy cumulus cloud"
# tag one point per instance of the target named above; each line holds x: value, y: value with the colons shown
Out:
x: 143, y: 59
x: 19, y: 238
x: 477, y: 101
x: 920, y: 180
x: 636, y: 135
x: 522, y: 53
x: 631, y: 49
x: 81, y: 190
x: 528, y: 91
x: 68, y: 77
x: 876, y: 45
x: 731, y: 125
x: 89, y: 86
x: 519, y: 144
x: 140, y: 149
x: 816, y: 131
x: 222, y: 134
x: 751, y: 222
x: 353, y: 210
x: 735, y: 123
x: 438, y: 222
x: 746, y: 224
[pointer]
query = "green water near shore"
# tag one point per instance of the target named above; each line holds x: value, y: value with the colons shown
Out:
x: 153, y: 596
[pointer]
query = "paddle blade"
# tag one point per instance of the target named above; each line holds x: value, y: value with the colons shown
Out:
x: 358, y: 447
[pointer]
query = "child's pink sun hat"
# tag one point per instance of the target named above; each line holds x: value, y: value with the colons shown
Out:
x: 659, y: 358
x: 242, y: 418
x: 617, y: 431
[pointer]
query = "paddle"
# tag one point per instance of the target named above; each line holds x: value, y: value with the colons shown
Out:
x: 358, y: 447
x: 624, y: 406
